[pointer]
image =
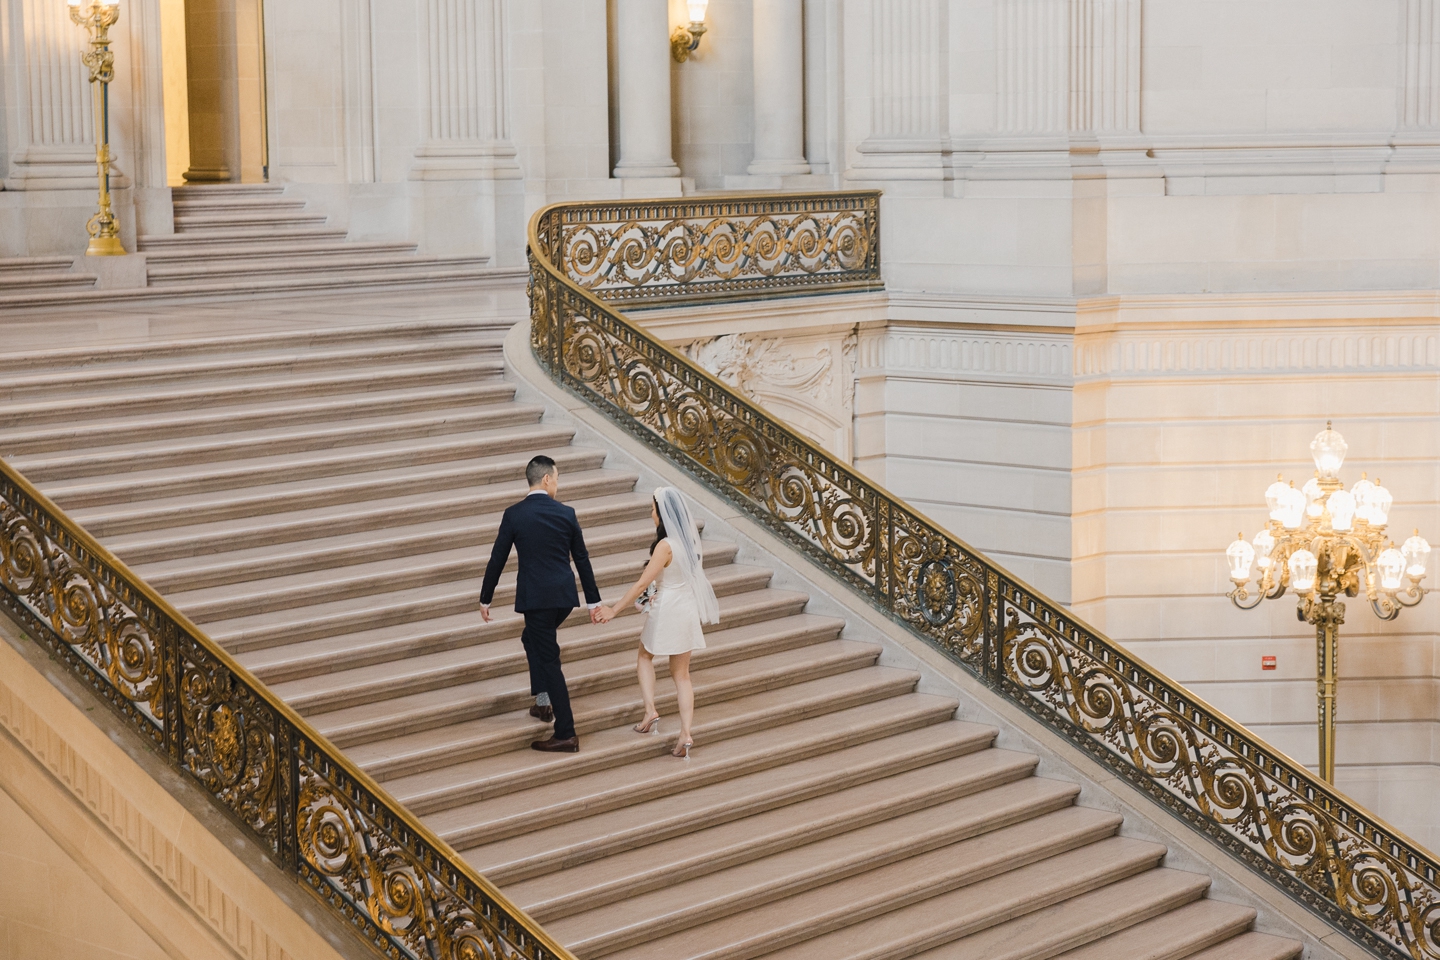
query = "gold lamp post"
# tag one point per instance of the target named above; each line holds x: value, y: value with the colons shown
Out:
x: 1323, y: 541
x: 97, y: 17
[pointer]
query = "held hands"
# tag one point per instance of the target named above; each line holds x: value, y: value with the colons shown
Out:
x: 602, y: 614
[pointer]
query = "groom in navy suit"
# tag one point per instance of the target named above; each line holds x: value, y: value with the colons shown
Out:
x: 547, y: 536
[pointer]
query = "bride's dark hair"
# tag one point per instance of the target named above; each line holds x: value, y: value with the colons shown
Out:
x: 659, y: 527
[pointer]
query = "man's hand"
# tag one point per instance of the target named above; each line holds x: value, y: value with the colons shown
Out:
x: 595, y: 614
x: 485, y: 612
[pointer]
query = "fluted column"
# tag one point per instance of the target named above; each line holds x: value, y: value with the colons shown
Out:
x: 909, y: 105
x: 1420, y: 100
x: 643, y: 54
x: 50, y: 126
x: 779, y: 44
x: 468, y: 135
x: 213, y: 89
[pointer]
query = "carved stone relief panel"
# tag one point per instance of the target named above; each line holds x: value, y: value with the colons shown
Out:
x: 807, y: 381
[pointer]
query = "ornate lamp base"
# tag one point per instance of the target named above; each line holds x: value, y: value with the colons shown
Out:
x: 105, y: 247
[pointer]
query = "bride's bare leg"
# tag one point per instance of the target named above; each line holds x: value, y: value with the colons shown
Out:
x: 645, y: 672
x: 684, y: 690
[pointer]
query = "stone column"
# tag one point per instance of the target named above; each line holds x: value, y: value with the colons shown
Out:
x: 50, y: 127
x: 469, y: 112
x: 643, y: 39
x: 909, y: 103
x: 779, y: 43
x: 212, y: 77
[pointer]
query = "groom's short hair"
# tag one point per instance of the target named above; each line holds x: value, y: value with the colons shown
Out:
x: 538, y: 469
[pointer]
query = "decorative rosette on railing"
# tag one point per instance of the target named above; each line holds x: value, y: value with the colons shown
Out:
x: 403, y: 890
x: 586, y: 259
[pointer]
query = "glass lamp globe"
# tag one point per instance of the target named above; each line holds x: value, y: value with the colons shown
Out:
x: 1240, y: 555
x: 697, y: 9
x: 1302, y: 570
x: 1328, y: 449
x: 1341, y: 505
x: 1391, y: 566
x: 1380, y: 502
x: 1275, y: 495
x: 1362, y: 492
x: 1313, y: 496
x: 1263, y: 543
x: 1292, y: 509
x: 1417, y: 556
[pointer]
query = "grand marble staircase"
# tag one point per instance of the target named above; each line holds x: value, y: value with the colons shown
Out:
x: 321, y: 501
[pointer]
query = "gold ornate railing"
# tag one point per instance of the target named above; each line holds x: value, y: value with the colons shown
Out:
x: 1362, y: 876
x: 401, y: 888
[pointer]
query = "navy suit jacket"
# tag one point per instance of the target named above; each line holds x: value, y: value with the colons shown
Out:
x: 547, y: 536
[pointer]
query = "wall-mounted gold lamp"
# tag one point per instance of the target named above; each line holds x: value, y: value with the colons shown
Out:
x: 685, y: 40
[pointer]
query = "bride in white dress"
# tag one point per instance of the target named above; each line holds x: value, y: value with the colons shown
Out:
x: 682, y: 600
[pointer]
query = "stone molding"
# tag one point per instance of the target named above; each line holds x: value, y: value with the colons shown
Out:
x: 909, y: 103
x: 1359, y: 349
x: 967, y: 354
x: 218, y: 892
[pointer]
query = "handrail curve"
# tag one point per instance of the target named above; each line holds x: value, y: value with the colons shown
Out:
x: 588, y: 258
x: 321, y: 818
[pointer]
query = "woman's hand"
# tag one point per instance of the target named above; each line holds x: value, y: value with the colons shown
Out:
x: 604, y: 614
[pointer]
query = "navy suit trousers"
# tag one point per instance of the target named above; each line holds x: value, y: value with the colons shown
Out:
x: 542, y: 650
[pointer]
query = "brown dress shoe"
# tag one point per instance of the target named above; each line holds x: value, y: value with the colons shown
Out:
x: 570, y: 745
x: 543, y: 714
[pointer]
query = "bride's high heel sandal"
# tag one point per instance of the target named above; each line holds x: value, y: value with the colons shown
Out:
x: 682, y: 749
x: 651, y: 726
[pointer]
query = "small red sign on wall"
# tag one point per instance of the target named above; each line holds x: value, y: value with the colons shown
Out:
x: 1267, y: 663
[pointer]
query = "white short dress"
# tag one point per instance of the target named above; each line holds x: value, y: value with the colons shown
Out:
x: 673, y: 624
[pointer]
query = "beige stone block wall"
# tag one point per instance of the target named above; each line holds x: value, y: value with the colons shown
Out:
x: 101, y: 855
x: 1185, y: 409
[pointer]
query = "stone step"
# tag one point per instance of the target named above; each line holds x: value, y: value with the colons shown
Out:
x: 23, y: 265
x: 828, y: 835
x: 898, y: 909
x: 494, y: 672
x: 192, y: 240
x: 331, y: 264
x: 189, y: 204
x: 1079, y: 919
x: 514, y: 795
x: 283, y: 247
x: 246, y: 222
x: 44, y: 282
x: 1252, y: 946
x: 103, y: 431
x: 451, y: 701
x: 110, y: 460
x: 229, y: 567
x: 1174, y: 935
x: 189, y: 190
x: 929, y: 764
x: 499, y: 454
x: 220, y: 530
x: 253, y: 631
x: 424, y: 637
x: 489, y: 331
x: 109, y: 377
x: 269, y: 390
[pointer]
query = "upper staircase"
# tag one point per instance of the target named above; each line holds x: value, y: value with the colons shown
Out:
x: 321, y: 503
x: 233, y: 239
